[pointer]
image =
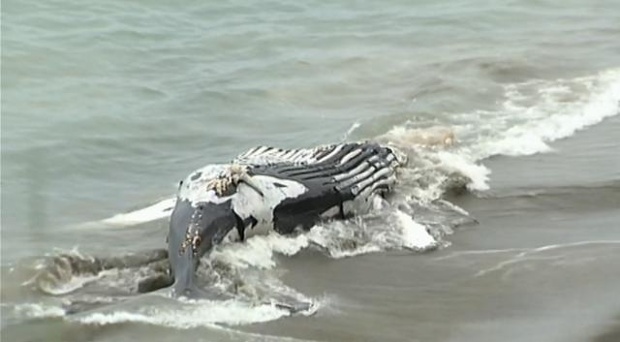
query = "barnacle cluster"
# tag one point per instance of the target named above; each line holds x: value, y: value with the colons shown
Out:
x: 226, y: 183
x: 192, y: 235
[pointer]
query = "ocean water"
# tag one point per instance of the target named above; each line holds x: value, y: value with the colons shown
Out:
x: 106, y: 105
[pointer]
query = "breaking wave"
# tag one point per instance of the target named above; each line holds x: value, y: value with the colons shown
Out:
x: 186, y: 315
x: 531, y: 115
x: 538, y: 112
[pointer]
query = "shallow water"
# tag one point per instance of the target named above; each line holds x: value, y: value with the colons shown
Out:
x: 106, y: 106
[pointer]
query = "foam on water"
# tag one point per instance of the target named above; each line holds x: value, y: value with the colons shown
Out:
x: 347, y: 239
x: 60, y: 274
x: 38, y: 310
x: 189, y: 315
x: 258, y: 251
x: 159, y: 210
x: 75, y: 282
x: 68, y: 272
x: 414, y: 235
x: 337, y: 239
x: 538, y: 112
x: 476, y: 174
x: 350, y: 131
x: 532, y: 115
x: 182, y: 315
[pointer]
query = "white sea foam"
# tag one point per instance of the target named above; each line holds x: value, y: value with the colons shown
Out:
x: 342, y: 240
x: 38, y: 310
x: 154, y: 212
x: 535, y: 113
x: 532, y: 115
x: 338, y: 239
x: 73, y: 283
x: 350, y: 131
x: 190, y: 314
x: 258, y: 251
x: 58, y: 275
x: 477, y: 174
x: 180, y: 314
x: 414, y: 234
